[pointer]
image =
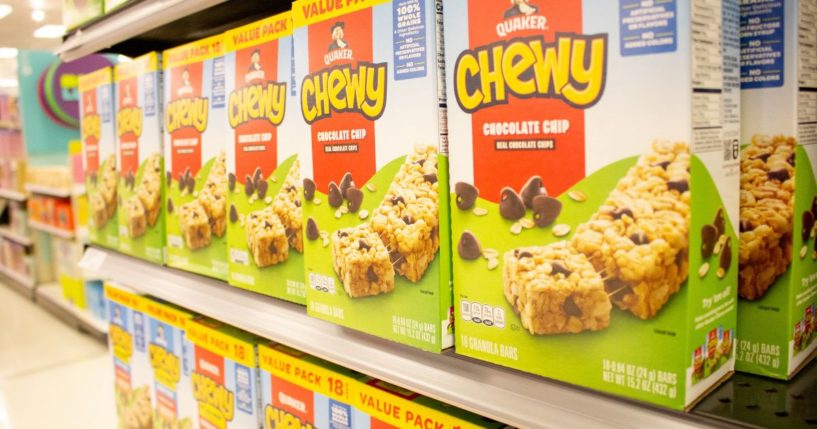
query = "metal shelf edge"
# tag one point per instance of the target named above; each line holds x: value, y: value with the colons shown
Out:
x: 505, y: 395
x: 15, y: 237
x: 12, y: 195
x: 48, y: 191
x: 50, y: 229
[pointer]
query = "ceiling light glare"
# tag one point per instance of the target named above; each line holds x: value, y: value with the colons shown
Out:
x: 49, y: 31
x: 37, y: 15
x: 8, y: 53
x: 5, y: 10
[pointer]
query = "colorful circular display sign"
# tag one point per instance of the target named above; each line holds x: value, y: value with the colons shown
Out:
x: 58, y: 89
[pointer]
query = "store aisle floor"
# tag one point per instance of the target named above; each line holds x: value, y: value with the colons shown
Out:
x: 51, y: 375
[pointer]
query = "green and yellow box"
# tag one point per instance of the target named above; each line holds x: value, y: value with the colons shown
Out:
x: 374, y: 161
x: 224, y: 375
x: 778, y: 192
x: 265, y: 236
x: 138, y: 101
x: 301, y: 391
x: 98, y: 132
x: 195, y: 160
x: 594, y: 178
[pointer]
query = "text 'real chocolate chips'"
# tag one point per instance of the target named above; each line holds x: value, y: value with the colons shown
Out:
x: 709, y: 236
x: 466, y: 195
x: 511, y: 205
x: 545, y: 210
x: 468, y: 246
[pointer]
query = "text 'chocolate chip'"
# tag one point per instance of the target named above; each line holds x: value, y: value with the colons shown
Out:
x: 545, y: 210
x: 466, y: 195
x: 511, y: 205
x: 468, y: 246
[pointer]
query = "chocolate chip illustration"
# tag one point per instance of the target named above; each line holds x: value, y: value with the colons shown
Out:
x: 335, y: 196
x: 169, y: 178
x: 345, y: 183
x: 570, y: 307
x: 726, y: 255
x: 420, y: 162
x: 519, y: 254
x: 354, y: 197
x: 745, y: 226
x: 273, y: 248
x: 342, y: 234
x: 233, y: 214
x: 678, y: 185
x: 790, y: 159
x: 623, y: 211
x: 557, y: 268
x: 397, y: 200
x: 309, y: 189
x: 533, y: 187
x: 662, y: 164
x: 808, y: 224
x: 249, y: 187
x: 780, y: 174
x: 511, y: 205
x: 371, y: 275
x: 408, y: 219
x: 363, y: 245
x: 468, y: 247
x: 169, y: 205
x: 545, y: 210
x: 261, y: 188
x: 312, y: 231
x: 639, y: 238
x: 814, y: 207
x: 231, y: 181
x: 182, y: 182
x: 430, y: 178
x: 762, y: 157
x: 297, y: 203
x: 466, y: 195
x: 709, y: 236
x: 257, y: 177
x: 191, y: 185
x: 719, y: 223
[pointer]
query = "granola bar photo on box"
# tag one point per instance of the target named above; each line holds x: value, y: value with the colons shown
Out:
x: 594, y: 202
x: 374, y: 160
x: 265, y: 237
x: 195, y: 178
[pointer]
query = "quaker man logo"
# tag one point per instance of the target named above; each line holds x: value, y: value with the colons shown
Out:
x: 186, y: 88
x: 255, y: 71
x: 521, y: 7
x: 127, y: 100
x: 88, y: 104
x: 339, y: 48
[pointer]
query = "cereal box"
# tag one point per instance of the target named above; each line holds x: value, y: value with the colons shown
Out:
x: 302, y: 391
x: 97, y: 128
x: 265, y: 236
x: 374, y: 160
x: 140, y: 157
x: 171, y: 361
x: 778, y: 193
x: 225, y: 375
x: 196, y: 167
x: 594, y: 176
x: 127, y: 341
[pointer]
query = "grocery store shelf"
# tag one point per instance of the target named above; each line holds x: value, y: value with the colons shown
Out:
x: 23, y: 284
x: 47, y: 190
x: 64, y: 233
x: 49, y: 296
x: 509, y: 396
x: 13, y: 195
x: 146, y: 25
x: 15, y: 237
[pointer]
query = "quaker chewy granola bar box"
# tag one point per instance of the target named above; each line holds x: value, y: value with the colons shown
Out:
x: 139, y: 137
x: 128, y: 342
x: 225, y: 375
x: 265, y: 236
x: 594, y: 183
x: 196, y: 165
x: 778, y: 195
x: 302, y: 391
x: 97, y: 128
x: 171, y: 361
x: 376, y: 225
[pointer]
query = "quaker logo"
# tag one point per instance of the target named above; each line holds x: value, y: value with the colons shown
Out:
x: 255, y: 71
x: 127, y: 99
x: 186, y: 88
x: 89, y: 100
x: 523, y: 15
x: 339, y: 48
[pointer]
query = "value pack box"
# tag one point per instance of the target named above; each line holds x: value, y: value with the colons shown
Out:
x: 195, y: 160
x: 376, y: 226
x: 171, y: 362
x: 265, y: 234
x: 300, y: 391
x: 225, y: 375
x: 594, y: 178
x: 778, y: 192
x: 127, y: 342
x: 98, y: 132
x: 140, y: 157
